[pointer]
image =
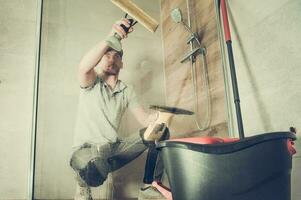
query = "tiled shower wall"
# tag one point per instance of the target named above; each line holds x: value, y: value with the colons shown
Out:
x: 178, y: 76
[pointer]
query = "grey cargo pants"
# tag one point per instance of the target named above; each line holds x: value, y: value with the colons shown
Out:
x: 92, y: 163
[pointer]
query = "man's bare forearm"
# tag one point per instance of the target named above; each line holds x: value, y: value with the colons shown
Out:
x: 86, y: 73
x: 92, y: 57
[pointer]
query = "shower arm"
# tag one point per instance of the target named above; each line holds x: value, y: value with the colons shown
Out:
x: 192, y: 34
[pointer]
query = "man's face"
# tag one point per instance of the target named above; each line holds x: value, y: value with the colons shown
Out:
x: 111, y: 62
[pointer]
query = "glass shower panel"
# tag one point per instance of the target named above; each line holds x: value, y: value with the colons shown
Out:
x: 69, y: 29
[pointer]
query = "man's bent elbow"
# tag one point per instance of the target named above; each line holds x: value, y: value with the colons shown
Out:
x: 86, y: 78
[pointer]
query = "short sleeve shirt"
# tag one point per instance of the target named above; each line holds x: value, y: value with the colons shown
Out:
x: 100, y: 110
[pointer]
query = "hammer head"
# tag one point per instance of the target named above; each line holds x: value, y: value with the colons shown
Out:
x: 137, y: 13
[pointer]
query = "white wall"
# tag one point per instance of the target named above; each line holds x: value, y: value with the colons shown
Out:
x: 17, y: 61
x: 265, y: 37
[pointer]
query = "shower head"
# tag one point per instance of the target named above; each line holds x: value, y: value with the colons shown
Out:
x: 176, y: 15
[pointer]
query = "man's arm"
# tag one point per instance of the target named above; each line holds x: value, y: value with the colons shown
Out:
x: 86, y: 73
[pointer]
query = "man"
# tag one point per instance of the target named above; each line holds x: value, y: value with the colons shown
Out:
x: 103, y: 100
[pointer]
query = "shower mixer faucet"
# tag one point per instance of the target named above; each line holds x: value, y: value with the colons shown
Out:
x: 192, y: 54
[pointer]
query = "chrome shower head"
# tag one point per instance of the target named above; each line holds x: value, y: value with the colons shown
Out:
x: 176, y: 15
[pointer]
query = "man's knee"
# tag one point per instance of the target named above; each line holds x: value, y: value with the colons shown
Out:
x: 91, y: 169
x: 92, y: 175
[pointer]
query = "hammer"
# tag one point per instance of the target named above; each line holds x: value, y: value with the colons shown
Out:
x: 138, y: 14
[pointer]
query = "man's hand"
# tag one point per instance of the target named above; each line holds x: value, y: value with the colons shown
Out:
x: 116, y: 28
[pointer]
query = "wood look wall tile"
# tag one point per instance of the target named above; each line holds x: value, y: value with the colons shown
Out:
x: 179, y: 85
